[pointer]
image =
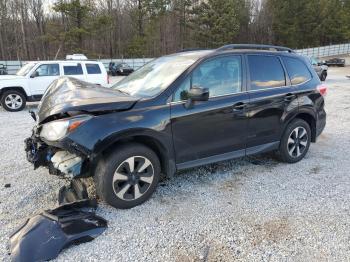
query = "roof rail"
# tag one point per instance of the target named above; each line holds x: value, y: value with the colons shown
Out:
x: 192, y: 49
x: 254, y: 46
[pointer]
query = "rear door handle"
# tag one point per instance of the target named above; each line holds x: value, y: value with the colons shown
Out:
x: 289, y: 97
x: 239, y: 106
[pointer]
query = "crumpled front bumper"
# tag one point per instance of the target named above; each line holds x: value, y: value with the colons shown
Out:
x: 60, y: 159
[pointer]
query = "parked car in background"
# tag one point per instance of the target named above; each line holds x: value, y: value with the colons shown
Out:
x: 320, y: 68
x: 3, y: 69
x: 178, y: 111
x: 32, y: 80
x: 120, y: 69
x: 335, y: 62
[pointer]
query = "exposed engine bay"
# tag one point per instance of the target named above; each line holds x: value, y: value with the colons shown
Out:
x: 59, y: 162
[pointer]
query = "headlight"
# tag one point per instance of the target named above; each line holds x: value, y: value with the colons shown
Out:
x: 56, y: 130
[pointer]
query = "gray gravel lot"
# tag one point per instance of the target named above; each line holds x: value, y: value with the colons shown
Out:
x: 247, y: 209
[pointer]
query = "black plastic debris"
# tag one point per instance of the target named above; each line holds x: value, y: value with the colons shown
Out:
x: 44, y: 236
x: 76, y: 191
x: 7, y: 185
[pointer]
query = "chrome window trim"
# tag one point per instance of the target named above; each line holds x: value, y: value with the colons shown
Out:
x: 292, y: 86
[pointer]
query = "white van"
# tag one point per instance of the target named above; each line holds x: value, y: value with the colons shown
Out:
x: 31, y: 81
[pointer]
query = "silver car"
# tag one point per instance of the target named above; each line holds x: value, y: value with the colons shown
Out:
x: 320, y: 68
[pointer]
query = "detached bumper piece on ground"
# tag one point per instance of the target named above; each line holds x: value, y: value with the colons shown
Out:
x: 76, y: 191
x: 44, y: 236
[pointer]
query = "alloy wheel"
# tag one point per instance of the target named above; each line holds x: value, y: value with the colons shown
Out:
x: 13, y: 101
x: 132, y: 178
x: 297, y: 142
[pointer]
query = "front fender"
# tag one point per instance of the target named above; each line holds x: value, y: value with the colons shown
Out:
x: 15, y: 84
x: 102, y: 131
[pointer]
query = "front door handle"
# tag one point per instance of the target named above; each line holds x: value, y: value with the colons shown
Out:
x: 239, y: 106
x: 289, y: 97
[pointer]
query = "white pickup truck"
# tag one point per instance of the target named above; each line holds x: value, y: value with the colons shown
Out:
x: 31, y: 81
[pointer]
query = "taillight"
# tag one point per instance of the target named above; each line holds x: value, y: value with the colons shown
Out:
x: 322, y: 89
x: 107, y: 78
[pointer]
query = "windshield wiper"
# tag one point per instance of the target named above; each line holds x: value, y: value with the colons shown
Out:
x: 124, y: 92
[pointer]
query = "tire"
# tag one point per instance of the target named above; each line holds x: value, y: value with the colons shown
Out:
x: 128, y: 189
x: 289, y: 146
x: 13, y: 100
x: 323, y: 76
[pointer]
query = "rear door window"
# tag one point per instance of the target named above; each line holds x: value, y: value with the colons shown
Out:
x: 93, y: 69
x: 73, y: 69
x: 297, y: 70
x: 265, y: 72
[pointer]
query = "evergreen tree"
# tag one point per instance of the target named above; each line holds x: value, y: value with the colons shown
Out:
x: 215, y: 22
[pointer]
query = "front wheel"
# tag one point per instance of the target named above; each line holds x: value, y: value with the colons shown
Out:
x: 128, y: 176
x: 295, y: 141
x: 13, y: 101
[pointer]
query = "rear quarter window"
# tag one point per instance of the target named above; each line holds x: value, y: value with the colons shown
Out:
x: 297, y: 70
x: 265, y: 72
x: 73, y: 69
x: 93, y: 69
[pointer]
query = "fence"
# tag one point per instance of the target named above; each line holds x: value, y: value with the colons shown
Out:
x: 13, y: 66
x: 322, y: 51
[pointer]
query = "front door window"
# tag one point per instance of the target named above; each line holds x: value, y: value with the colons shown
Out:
x: 222, y: 76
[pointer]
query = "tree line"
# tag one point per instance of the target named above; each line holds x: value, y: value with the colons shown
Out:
x: 46, y: 29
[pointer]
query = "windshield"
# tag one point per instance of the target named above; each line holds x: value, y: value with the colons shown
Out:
x: 157, y: 75
x: 25, y: 69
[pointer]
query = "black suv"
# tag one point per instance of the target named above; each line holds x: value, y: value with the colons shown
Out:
x: 176, y: 112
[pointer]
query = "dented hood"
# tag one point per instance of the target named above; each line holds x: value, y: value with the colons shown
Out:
x: 68, y: 94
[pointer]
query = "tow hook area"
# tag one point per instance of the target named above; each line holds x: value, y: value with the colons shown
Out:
x: 67, y: 163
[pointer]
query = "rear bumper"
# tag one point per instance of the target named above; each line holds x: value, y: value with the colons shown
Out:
x: 321, y: 122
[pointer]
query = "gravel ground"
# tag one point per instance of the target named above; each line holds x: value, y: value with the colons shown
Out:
x: 247, y: 209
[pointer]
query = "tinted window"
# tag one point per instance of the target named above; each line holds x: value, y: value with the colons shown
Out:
x: 73, y: 69
x: 48, y: 70
x: 221, y: 76
x: 265, y: 72
x: 93, y: 69
x: 297, y: 70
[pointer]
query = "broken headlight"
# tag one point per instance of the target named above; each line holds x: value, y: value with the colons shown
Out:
x: 56, y: 130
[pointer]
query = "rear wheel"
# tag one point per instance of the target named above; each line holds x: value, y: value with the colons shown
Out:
x: 13, y: 101
x: 128, y: 176
x: 295, y: 141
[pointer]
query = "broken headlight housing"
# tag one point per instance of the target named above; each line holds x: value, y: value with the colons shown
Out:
x: 56, y: 130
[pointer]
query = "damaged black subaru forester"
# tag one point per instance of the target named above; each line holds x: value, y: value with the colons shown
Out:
x: 178, y: 111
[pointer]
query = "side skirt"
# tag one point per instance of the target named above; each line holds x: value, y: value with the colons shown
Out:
x: 230, y: 155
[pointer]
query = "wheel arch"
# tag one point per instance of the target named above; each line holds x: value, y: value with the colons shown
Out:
x: 17, y: 88
x: 308, y: 118
x: 156, y: 145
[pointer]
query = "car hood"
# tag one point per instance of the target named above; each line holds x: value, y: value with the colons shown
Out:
x: 10, y: 77
x: 68, y: 95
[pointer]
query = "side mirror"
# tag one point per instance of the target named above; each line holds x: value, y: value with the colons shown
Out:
x: 35, y: 74
x: 196, y: 94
